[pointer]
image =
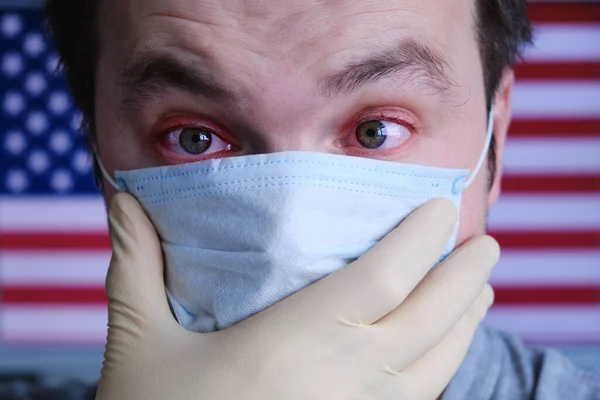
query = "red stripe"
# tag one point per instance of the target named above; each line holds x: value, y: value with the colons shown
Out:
x: 566, y: 11
x: 549, y: 71
x: 547, y: 295
x: 550, y: 184
x: 555, y: 128
x: 548, y: 240
x: 504, y: 295
x: 54, y: 295
x: 98, y: 241
x: 54, y: 241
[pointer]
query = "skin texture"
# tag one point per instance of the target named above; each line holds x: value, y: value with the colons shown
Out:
x: 273, y: 58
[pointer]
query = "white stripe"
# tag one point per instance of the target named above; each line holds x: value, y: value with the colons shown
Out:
x: 548, y: 324
x: 545, y: 212
x: 560, y: 156
x: 52, y: 214
x: 54, y: 324
x: 88, y: 324
x: 556, y: 99
x: 518, y: 211
x: 54, y: 268
x: 565, y: 42
x: 516, y: 268
x: 547, y: 268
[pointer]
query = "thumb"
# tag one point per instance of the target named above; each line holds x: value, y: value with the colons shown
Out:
x: 135, y: 281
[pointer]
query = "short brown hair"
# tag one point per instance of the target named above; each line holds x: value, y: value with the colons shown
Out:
x: 503, y: 29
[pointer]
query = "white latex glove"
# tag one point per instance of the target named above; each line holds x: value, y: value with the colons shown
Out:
x: 373, y: 330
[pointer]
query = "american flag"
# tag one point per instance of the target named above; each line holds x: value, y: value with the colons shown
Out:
x: 54, y: 249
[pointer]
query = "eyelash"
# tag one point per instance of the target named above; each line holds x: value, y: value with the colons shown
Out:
x: 380, y: 115
x: 390, y: 115
x: 180, y: 123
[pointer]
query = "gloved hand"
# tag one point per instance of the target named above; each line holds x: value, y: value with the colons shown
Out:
x: 373, y: 330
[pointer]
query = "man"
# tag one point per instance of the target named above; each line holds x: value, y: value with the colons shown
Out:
x: 165, y: 83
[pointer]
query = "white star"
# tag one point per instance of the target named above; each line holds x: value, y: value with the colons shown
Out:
x: 60, y: 142
x: 34, y: 44
x: 12, y: 65
x: 13, y: 103
x: 61, y: 181
x: 15, y: 142
x: 59, y: 103
x: 82, y: 162
x: 37, y: 122
x: 11, y: 25
x: 17, y: 180
x: 38, y: 161
x: 35, y: 83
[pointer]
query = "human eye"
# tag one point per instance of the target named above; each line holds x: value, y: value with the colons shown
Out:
x: 195, y: 142
x: 381, y: 134
x: 378, y: 134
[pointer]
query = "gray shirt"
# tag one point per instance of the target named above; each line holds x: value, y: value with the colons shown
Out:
x: 499, y: 366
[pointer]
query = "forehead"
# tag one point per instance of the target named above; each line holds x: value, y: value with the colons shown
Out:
x: 298, y: 32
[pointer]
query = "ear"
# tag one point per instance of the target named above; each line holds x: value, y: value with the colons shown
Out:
x: 502, y: 117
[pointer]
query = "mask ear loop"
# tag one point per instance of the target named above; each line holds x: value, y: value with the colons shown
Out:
x: 484, y: 154
x: 105, y: 173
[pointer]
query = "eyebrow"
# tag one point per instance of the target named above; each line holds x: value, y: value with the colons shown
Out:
x: 151, y: 74
x: 408, y: 60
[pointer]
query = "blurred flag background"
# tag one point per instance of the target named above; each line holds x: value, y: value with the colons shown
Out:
x: 54, y: 249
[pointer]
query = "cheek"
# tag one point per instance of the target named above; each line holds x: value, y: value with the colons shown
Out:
x: 119, y: 147
x: 473, y: 213
x: 106, y: 141
x: 111, y: 141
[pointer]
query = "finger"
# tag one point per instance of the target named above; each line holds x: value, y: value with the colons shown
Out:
x: 381, y: 279
x: 440, y: 300
x: 438, y: 366
x: 135, y: 283
x: 442, y: 362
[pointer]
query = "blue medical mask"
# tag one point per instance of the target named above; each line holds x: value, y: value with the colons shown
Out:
x: 239, y: 234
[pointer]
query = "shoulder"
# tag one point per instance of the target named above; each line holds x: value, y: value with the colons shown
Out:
x: 500, y: 366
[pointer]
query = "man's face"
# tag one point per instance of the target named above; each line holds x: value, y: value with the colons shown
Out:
x: 187, y: 80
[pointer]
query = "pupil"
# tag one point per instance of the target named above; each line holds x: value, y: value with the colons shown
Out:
x: 371, y: 134
x: 195, y: 141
